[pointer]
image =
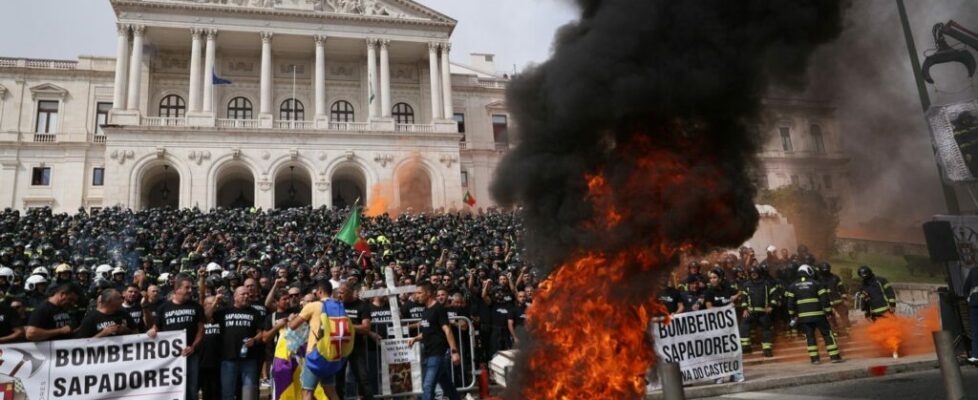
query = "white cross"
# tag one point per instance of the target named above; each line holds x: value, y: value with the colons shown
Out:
x: 391, y: 292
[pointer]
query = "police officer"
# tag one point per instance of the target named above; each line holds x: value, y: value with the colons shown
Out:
x: 760, y: 297
x: 808, y: 303
x: 877, y: 296
x: 838, y: 296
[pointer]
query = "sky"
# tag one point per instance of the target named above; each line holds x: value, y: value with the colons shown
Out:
x: 519, y: 32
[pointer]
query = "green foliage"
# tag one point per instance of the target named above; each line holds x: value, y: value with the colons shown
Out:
x: 894, y: 268
x: 814, y: 219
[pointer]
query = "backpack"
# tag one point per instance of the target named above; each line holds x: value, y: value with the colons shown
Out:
x: 334, y: 341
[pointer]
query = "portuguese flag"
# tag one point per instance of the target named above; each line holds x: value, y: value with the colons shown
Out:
x: 468, y: 199
x: 350, y: 233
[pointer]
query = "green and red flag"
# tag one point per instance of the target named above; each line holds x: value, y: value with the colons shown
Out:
x: 468, y: 199
x: 350, y: 233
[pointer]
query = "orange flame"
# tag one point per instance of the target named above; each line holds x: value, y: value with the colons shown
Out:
x: 379, y: 200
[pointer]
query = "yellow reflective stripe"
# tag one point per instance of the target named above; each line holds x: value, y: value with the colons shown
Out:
x: 789, y: 294
x: 812, y: 347
x: 807, y: 301
x: 880, y: 309
x: 812, y: 314
x: 767, y: 346
x: 834, y: 352
x: 822, y: 291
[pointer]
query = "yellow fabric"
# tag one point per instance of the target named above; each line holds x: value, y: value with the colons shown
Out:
x: 294, y: 390
x: 311, y: 312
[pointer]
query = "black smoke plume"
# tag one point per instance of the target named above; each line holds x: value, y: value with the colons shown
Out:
x: 671, y: 71
x: 675, y: 82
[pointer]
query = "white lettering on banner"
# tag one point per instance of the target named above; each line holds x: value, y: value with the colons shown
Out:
x: 705, y: 343
x: 119, y: 367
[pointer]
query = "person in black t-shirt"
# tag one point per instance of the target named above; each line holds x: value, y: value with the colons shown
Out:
x: 458, y: 308
x: 51, y: 320
x: 150, y: 303
x: 240, y: 332
x: 381, y: 319
x: 11, y: 323
x: 130, y: 305
x: 210, y: 353
x: 181, y: 313
x: 436, y: 339
x: 107, y: 319
x: 517, y: 317
x: 359, y: 313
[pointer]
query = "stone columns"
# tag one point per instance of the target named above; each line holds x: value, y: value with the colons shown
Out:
x: 195, y: 76
x: 434, y: 76
x: 446, y: 81
x: 208, y: 105
x: 266, y: 75
x: 135, y: 68
x: 320, y: 77
x: 121, y: 53
x: 372, y: 94
x: 385, y: 79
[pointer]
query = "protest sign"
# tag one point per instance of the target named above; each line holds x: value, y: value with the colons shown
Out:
x: 705, y: 343
x: 120, y: 367
x: 401, y: 369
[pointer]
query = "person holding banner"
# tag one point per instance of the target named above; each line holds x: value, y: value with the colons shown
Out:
x: 240, y: 357
x: 107, y: 319
x: 181, y: 313
x: 51, y: 320
x: 721, y: 294
x: 436, y: 339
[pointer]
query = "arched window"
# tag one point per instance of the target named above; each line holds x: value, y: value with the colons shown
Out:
x: 817, y: 139
x: 172, y: 106
x: 239, y: 108
x: 341, y: 111
x: 291, y: 110
x: 403, y: 113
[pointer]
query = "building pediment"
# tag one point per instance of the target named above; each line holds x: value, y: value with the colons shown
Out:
x: 496, y: 105
x: 389, y: 9
x: 49, y: 90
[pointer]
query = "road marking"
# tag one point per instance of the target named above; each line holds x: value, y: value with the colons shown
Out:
x: 779, y: 396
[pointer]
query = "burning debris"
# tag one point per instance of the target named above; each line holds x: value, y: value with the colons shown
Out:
x: 634, y: 148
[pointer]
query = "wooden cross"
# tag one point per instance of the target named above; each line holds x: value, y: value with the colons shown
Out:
x: 391, y: 292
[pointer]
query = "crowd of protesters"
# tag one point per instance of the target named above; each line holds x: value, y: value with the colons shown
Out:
x: 233, y: 278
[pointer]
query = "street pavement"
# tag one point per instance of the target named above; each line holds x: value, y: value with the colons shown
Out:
x: 912, y: 385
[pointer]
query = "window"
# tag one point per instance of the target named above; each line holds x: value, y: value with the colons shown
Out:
x: 172, y: 106
x: 403, y: 113
x: 341, y: 111
x: 460, y: 118
x: 98, y: 176
x: 786, y: 139
x: 239, y: 108
x: 465, y: 178
x: 101, y: 116
x: 827, y: 181
x: 817, y: 139
x: 47, y: 116
x: 292, y: 110
x: 41, y: 176
x: 500, y: 129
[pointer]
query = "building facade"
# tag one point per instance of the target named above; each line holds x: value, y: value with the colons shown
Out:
x: 281, y: 103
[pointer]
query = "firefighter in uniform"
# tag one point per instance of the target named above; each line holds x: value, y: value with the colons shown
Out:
x: 878, y: 298
x: 838, y: 296
x: 760, y: 297
x: 808, y: 303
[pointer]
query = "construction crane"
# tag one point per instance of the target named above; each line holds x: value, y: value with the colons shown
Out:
x: 946, y: 54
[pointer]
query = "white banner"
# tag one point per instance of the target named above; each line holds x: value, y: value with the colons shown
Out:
x: 705, y: 343
x: 954, y: 128
x: 401, y: 367
x: 120, y: 367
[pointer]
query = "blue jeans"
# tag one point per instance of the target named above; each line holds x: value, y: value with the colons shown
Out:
x: 438, y: 370
x: 235, y: 372
x: 973, y: 314
x: 193, y: 375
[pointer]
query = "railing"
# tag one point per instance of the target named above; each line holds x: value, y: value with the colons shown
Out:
x: 294, y: 124
x: 462, y: 145
x: 37, y: 63
x: 98, y: 138
x: 238, y: 123
x: 491, y: 84
x: 414, y: 128
x: 44, y: 138
x: 502, y: 146
x: 349, y: 126
x: 163, y: 121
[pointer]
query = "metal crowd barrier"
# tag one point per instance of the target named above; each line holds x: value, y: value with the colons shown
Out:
x: 463, y: 375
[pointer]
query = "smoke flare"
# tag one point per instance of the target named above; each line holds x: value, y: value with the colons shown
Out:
x: 634, y: 147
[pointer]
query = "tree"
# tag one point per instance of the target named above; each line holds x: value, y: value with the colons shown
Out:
x: 814, y: 219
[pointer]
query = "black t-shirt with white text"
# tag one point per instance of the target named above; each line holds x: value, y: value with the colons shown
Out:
x: 210, y: 346
x: 357, y: 310
x: 50, y: 316
x: 186, y: 317
x: 135, y: 313
x: 237, y: 325
x: 433, y: 339
x: 381, y: 319
x: 95, y: 321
